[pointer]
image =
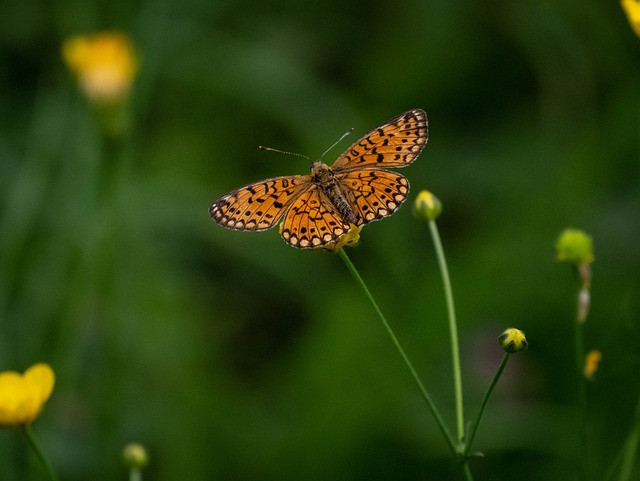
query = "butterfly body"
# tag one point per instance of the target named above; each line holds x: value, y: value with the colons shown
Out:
x: 317, y: 209
x: 325, y: 179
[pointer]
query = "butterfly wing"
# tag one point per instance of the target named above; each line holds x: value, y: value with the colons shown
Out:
x: 312, y: 221
x: 396, y: 143
x: 373, y: 193
x: 260, y: 205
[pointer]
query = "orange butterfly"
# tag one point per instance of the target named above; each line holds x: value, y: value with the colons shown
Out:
x: 320, y: 208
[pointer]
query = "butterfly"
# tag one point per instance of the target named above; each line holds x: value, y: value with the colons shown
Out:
x: 318, y: 209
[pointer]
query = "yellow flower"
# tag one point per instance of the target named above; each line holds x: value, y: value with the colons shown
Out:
x: 351, y: 238
x: 104, y: 63
x: 427, y: 206
x: 513, y: 340
x: 22, y: 396
x: 632, y: 9
x: 591, y: 362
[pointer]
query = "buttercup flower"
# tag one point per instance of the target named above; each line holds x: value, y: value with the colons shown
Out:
x: 632, y: 9
x: 104, y: 63
x: 351, y: 238
x: 513, y: 340
x: 427, y: 206
x: 592, y: 360
x: 22, y: 396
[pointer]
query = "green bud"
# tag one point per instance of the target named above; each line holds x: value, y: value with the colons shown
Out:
x: 513, y: 340
x: 575, y: 247
x: 135, y: 456
x: 427, y: 206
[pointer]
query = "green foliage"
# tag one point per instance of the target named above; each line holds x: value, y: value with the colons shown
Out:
x: 232, y: 356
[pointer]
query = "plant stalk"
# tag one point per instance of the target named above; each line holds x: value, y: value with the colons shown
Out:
x: 405, y: 359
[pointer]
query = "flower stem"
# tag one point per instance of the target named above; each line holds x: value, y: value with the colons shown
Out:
x: 37, y: 449
x: 630, y: 450
x: 582, y: 309
x: 135, y: 474
x: 405, y: 359
x: 453, y: 329
x: 467, y: 471
x: 476, y: 423
x: 582, y: 400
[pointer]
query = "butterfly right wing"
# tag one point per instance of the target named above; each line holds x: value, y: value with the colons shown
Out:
x: 373, y: 193
x: 260, y: 205
x: 396, y: 143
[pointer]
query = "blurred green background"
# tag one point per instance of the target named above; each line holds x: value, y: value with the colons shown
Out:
x: 231, y: 355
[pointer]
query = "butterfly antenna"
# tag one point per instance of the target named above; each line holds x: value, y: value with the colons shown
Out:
x: 337, y: 142
x: 262, y: 147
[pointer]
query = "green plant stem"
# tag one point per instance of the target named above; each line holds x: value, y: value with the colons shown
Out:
x: 135, y: 474
x: 453, y: 330
x: 37, y: 449
x: 582, y: 399
x: 487, y: 395
x: 405, y: 359
x: 630, y: 449
x: 467, y: 471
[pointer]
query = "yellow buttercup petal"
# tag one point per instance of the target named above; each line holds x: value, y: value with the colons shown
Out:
x: 23, y: 396
x: 40, y: 376
x: 632, y: 9
x: 10, y: 388
x: 351, y: 238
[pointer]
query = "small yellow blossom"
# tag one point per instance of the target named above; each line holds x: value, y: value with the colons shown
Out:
x: 513, y: 340
x: 574, y: 246
x: 591, y: 362
x: 350, y: 239
x: 632, y: 9
x: 135, y: 456
x: 427, y: 206
x: 22, y: 396
x: 105, y: 64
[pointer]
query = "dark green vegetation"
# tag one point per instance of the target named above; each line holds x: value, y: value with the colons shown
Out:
x: 231, y: 355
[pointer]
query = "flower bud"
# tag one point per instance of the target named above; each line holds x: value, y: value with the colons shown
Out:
x: 513, y: 340
x: 574, y: 246
x: 427, y: 206
x: 591, y: 362
x: 135, y: 456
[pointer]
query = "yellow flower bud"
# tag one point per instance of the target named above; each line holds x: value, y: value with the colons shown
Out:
x: 135, y: 456
x: 574, y: 246
x: 22, y: 396
x: 513, y: 340
x: 427, y: 206
x: 591, y: 362
x: 632, y: 9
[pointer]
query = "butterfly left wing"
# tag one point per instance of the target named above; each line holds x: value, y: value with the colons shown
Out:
x: 396, y: 143
x: 373, y: 193
x: 312, y: 221
x: 260, y: 205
